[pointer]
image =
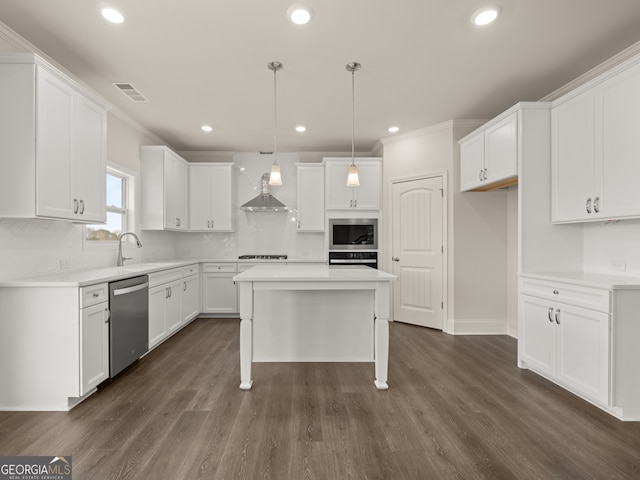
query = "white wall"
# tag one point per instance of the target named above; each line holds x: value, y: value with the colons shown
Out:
x: 619, y: 241
x: 477, y: 227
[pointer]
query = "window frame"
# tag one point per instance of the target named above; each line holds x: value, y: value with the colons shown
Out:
x: 128, y: 182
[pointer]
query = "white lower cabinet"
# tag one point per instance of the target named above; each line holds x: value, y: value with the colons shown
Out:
x: 190, y: 293
x: 567, y: 343
x: 94, y: 337
x: 583, y: 335
x: 165, y: 304
x: 219, y: 292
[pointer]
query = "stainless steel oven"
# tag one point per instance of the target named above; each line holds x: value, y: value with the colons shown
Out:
x: 368, y: 259
x: 353, y: 234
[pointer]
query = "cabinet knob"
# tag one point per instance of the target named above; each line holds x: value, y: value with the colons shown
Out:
x: 556, y: 292
x: 395, y: 259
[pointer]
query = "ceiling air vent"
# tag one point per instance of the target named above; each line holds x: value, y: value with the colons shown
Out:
x: 131, y: 92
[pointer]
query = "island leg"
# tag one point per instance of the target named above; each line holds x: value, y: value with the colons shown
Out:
x: 246, y: 334
x: 381, y: 330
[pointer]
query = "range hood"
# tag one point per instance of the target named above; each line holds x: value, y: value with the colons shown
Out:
x: 265, y: 202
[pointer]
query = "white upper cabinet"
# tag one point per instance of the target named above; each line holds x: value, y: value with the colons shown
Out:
x: 310, y: 187
x: 489, y: 156
x: 210, y: 197
x: 364, y: 197
x: 52, y: 144
x: 164, y: 180
x: 595, y: 149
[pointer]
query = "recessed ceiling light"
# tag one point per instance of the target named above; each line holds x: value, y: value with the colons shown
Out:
x: 485, y: 15
x: 113, y: 15
x: 394, y: 129
x: 299, y: 14
x: 206, y: 128
x: 301, y: 128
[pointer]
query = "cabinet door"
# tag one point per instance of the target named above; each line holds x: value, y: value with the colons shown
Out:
x: 582, y: 356
x: 190, y: 298
x: 310, y: 188
x: 157, y: 324
x: 55, y: 150
x: 94, y: 346
x: 221, y: 218
x: 91, y: 167
x: 501, y: 150
x: 573, y: 153
x: 620, y: 168
x: 338, y: 195
x: 219, y: 293
x: 175, y: 192
x: 538, y: 334
x: 367, y: 195
x: 173, y: 306
x: 472, y: 163
x: 199, y: 197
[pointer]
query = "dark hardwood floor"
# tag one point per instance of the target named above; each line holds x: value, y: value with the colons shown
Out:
x: 457, y: 407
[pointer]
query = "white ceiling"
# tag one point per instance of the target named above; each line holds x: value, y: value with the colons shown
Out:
x: 205, y: 61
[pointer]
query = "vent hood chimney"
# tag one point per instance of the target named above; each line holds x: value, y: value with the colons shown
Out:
x: 265, y: 202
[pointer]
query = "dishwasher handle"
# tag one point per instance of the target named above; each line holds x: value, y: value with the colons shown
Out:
x: 135, y: 288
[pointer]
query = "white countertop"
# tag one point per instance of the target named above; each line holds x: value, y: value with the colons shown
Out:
x: 109, y: 274
x: 313, y: 273
x: 588, y: 279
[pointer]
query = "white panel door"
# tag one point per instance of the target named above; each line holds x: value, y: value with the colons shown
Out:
x: 417, y: 252
x: 538, y: 334
x: 199, y: 197
x: 501, y: 149
x: 573, y: 158
x: 91, y: 160
x: 582, y: 358
x: 472, y: 163
x: 94, y: 347
x: 620, y: 169
x: 55, y: 181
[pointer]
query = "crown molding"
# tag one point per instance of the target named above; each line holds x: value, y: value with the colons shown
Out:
x: 605, y: 66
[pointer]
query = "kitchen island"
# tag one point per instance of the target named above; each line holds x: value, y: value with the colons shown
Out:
x: 314, y: 313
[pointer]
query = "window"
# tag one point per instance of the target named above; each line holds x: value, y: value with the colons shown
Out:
x: 117, y: 209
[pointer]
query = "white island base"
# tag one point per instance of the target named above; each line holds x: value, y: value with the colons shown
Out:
x: 299, y: 313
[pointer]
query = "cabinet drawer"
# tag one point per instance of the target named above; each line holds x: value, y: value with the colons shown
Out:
x: 580, y: 296
x: 94, y: 294
x: 190, y: 270
x: 164, y: 276
x: 219, y: 268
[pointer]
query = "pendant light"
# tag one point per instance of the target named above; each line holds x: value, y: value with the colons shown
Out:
x: 275, y: 178
x: 353, y: 179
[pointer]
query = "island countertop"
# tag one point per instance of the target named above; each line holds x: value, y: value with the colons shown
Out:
x: 313, y: 273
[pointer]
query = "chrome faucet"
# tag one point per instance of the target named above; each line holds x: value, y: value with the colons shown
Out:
x: 121, y: 259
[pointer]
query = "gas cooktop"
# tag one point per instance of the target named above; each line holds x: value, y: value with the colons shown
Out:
x: 262, y: 257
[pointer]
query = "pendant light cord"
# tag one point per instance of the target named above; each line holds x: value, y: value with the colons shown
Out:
x: 353, y: 115
x: 275, y: 116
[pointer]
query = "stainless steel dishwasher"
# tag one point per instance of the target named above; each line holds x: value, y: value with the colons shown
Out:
x: 129, y: 324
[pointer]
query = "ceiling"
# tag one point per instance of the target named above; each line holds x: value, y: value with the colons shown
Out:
x: 423, y: 62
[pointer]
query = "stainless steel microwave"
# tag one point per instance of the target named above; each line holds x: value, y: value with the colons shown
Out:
x: 353, y: 234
